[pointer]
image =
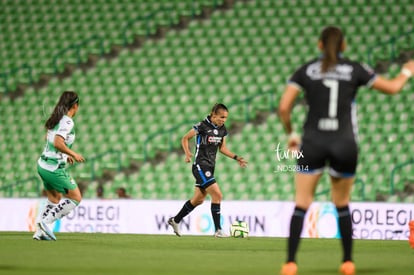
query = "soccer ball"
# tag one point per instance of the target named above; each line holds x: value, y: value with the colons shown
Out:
x: 239, y: 229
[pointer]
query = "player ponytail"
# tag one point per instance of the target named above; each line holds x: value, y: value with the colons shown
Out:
x: 66, y: 101
x: 332, y: 40
x: 217, y: 107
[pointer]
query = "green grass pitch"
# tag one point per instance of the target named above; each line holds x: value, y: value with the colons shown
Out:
x: 77, y: 253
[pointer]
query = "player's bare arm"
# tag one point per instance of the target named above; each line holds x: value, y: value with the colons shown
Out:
x: 59, y: 143
x: 184, y: 143
x: 285, y: 106
x: 225, y: 151
x: 284, y: 111
x: 393, y: 86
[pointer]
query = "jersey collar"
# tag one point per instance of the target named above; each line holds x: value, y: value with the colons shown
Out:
x: 211, y: 123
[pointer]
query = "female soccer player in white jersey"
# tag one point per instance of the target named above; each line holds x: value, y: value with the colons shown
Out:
x: 210, y: 137
x: 51, y: 165
x: 330, y: 84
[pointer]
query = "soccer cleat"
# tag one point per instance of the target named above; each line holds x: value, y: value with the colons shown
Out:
x: 40, y: 236
x: 347, y: 268
x: 46, y: 230
x: 220, y: 234
x: 289, y: 268
x: 175, y: 226
x: 411, y: 241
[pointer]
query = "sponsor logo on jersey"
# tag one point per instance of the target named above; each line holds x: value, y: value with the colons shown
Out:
x: 344, y: 69
x: 340, y: 72
x: 213, y: 139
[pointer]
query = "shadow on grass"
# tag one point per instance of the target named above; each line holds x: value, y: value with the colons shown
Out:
x: 358, y: 271
x: 4, y: 267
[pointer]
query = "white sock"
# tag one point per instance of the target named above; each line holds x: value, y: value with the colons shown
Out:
x: 60, y: 210
x: 46, y: 209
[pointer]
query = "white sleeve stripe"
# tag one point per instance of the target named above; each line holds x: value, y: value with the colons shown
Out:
x: 371, y: 81
x: 296, y: 85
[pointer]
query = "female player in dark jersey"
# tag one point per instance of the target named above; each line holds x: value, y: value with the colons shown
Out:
x: 210, y: 136
x: 330, y: 84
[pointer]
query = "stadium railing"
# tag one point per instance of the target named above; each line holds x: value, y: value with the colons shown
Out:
x: 78, y: 47
x: 389, y: 46
x: 98, y: 161
x: 148, y: 21
x: 395, y: 170
x: 13, y: 72
x: 245, y: 103
x: 20, y: 187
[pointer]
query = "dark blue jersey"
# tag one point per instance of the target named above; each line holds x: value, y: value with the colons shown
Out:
x: 331, y: 96
x: 209, y: 138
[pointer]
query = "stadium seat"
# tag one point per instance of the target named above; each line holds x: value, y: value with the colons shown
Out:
x: 252, y: 48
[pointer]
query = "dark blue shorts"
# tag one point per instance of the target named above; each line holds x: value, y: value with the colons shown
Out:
x: 204, y: 175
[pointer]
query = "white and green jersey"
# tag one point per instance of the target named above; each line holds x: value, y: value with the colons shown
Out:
x: 51, y: 158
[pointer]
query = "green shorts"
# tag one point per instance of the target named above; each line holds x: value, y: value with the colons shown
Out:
x: 58, y: 180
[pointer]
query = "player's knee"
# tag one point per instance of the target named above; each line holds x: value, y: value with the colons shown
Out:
x: 197, y: 202
x: 76, y: 196
x: 217, y: 197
